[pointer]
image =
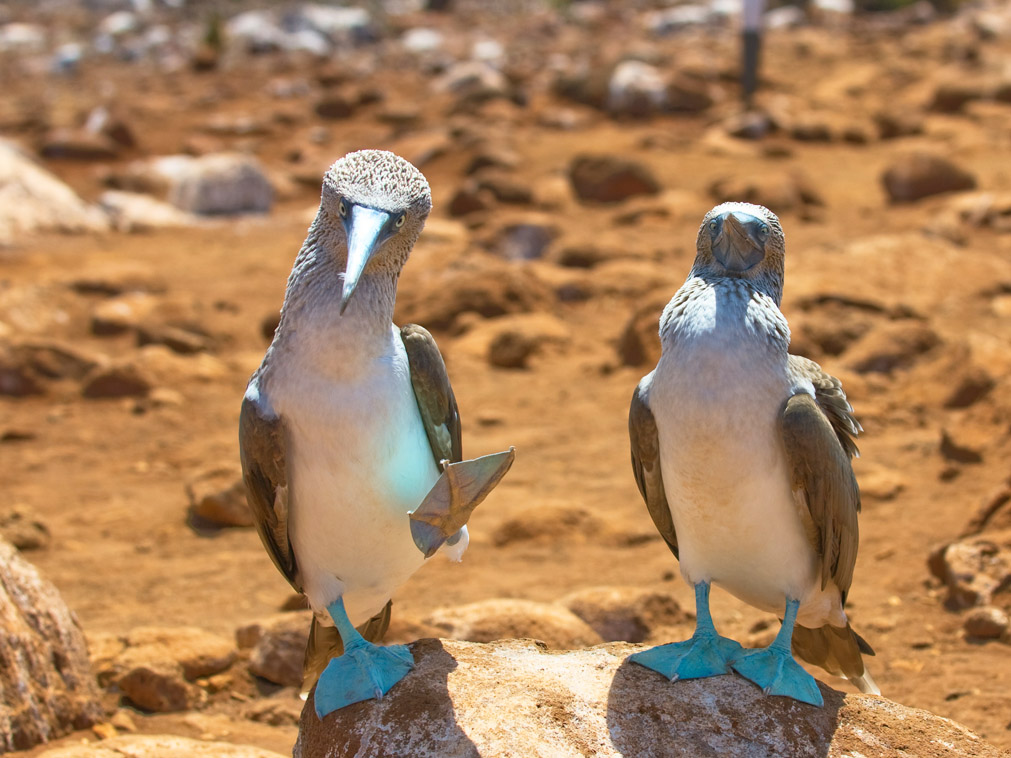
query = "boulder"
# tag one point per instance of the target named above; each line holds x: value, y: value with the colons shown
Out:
x: 516, y: 698
x: 32, y: 199
x: 917, y: 175
x: 507, y: 618
x: 610, y: 179
x: 157, y: 746
x: 46, y: 685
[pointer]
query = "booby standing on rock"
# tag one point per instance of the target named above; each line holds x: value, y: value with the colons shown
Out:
x: 742, y: 454
x: 349, y: 432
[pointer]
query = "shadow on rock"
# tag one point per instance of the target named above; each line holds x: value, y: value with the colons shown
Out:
x: 649, y: 716
x: 387, y: 727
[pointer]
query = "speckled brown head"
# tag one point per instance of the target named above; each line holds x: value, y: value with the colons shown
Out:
x: 742, y: 241
x: 373, y: 208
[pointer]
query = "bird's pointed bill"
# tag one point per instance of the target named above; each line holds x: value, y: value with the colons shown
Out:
x: 365, y: 230
x: 737, y: 244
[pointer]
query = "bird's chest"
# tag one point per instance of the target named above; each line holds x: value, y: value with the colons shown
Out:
x: 717, y: 395
x: 357, y: 439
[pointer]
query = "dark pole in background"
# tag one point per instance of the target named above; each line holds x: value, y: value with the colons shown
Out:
x: 752, y: 46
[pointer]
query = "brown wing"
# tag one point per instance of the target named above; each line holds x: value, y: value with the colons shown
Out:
x: 264, y: 470
x: 829, y: 393
x: 645, y: 442
x: 433, y: 393
x: 817, y: 433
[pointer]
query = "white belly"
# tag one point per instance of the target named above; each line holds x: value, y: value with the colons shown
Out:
x: 738, y: 523
x: 359, y: 463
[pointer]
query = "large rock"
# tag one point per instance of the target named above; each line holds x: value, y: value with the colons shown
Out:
x: 158, y: 746
x: 46, y: 685
x: 515, y: 698
x: 32, y: 199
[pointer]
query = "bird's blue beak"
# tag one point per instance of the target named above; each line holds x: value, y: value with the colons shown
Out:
x: 366, y: 230
x: 738, y: 240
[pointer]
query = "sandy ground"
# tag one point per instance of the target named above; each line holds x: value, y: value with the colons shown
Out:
x: 107, y: 476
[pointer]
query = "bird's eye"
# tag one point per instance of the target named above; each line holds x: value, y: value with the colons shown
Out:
x: 342, y: 208
x: 401, y: 219
x: 713, y: 225
x: 763, y: 230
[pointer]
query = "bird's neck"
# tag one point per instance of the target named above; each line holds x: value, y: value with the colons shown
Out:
x: 311, y: 321
x: 708, y: 308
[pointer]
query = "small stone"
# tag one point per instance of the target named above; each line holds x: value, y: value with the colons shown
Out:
x: 120, y: 380
x: 973, y: 385
x: 987, y: 623
x: 610, y: 179
x: 636, y: 89
x: 21, y: 526
x: 893, y: 124
x: 918, y: 175
x: 122, y: 721
x: 524, y: 242
x: 957, y: 450
x: 974, y: 568
x: 275, y: 711
x: 78, y: 145
x: 505, y: 188
x: 469, y: 199
x: 334, y: 106
x: 104, y: 730
x: 221, y: 184
x: 780, y: 191
x: 550, y: 524
x: 639, y: 341
x: 489, y: 620
x: 197, y: 652
x: 218, y: 498
x: 121, y: 314
x: 279, y: 651
x: 890, y: 346
x: 160, y: 687
x: 625, y: 613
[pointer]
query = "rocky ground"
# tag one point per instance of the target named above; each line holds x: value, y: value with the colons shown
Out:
x: 160, y: 166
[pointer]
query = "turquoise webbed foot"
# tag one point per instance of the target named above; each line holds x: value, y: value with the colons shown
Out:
x: 705, y: 654
x: 365, y: 671
x: 774, y: 669
x: 696, y: 658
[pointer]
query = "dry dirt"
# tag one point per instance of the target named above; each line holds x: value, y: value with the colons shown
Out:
x: 107, y: 476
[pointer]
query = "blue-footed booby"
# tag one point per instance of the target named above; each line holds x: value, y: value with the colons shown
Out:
x: 349, y: 433
x: 742, y: 454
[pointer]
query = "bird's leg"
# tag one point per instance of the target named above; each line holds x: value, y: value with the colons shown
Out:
x: 706, y: 653
x: 363, y: 672
x: 774, y: 669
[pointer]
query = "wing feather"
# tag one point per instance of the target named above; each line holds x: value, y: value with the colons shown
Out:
x: 264, y: 471
x: 434, y: 394
x: 645, y: 443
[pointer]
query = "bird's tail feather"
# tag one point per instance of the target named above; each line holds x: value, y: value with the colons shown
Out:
x: 325, y: 643
x: 838, y: 650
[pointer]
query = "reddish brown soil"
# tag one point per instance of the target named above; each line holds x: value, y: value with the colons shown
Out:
x: 107, y: 476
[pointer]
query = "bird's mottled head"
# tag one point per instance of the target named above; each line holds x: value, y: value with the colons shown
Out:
x: 744, y: 241
x: 374, y: 204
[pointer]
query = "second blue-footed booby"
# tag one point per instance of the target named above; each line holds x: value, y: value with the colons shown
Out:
x: 742, y: 454
x: 349, y: 432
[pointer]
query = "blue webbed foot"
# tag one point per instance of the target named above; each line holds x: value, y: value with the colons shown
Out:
x: 705, y: 654
x: 696, y: 658
x: 774, y: 669
x: 777, y: 673
x: 365, y: 671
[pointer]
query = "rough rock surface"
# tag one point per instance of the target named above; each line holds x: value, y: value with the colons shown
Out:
x: 278, y: 647
x: 223, y: 184
x: 46, y: 685
x: 158, y: 746
x: 514, y: 698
